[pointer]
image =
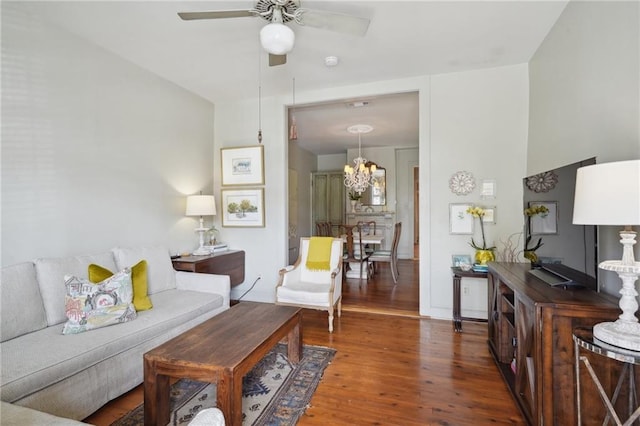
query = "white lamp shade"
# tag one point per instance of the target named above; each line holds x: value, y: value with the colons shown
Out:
x: 277, y: 39
x: 201, y: 205
x: 608, y: 194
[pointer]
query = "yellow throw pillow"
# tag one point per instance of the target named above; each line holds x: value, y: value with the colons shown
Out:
x: 138, y: 276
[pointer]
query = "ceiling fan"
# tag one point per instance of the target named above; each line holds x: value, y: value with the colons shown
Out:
x: 275, y: 37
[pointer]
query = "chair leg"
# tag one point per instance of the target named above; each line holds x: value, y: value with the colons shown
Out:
x: 394, y: 271
x: 331, y: 319
x: 340, y: 307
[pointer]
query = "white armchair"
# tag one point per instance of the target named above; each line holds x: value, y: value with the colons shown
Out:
x: 306, y: 288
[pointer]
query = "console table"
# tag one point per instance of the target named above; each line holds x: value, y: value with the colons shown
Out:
x: 458, y: 274
x: 229, y: 262
x: 531, y: 327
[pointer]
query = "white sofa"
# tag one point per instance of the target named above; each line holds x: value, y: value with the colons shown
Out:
x: 73, y: 375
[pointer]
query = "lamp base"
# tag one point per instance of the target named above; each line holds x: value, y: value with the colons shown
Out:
x: 625, y: 332
x: 622, y: 334
x: 201, y: 252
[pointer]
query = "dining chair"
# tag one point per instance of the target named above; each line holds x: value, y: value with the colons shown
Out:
x: 368, y: 228
x: 389, y: 256
x: 323, y: 229
x: 310, y: 288
x: 359, y: 254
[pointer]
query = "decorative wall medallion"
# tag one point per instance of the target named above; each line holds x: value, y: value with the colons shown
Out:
x: 462, y: 183
x: 542, y: 182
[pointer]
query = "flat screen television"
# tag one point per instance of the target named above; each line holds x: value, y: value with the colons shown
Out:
x: 568, y: 253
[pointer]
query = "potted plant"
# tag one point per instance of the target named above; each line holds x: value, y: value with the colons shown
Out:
x: 354, y: 197
x: 484, y: 254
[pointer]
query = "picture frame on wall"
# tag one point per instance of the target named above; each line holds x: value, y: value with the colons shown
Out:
x: 242, y: 165
x: 243, y: 208
x: 542, y: 224
x: 489, y: 215
x: 460, y: 222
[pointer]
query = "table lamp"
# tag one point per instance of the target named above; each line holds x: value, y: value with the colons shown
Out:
x: 609, y: 194
x: 201, y: 205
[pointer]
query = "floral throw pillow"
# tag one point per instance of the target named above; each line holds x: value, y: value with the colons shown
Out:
x: 89, y: 306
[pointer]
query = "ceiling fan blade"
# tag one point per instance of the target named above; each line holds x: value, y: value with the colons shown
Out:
x: 275, y: 60
x: 331, y: 21
x: 216, y: 14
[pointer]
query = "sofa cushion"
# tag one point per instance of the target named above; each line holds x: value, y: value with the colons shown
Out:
x: 22, y: 308
x: 138, y: 279
x: 160, y: 273
x: 26, y: 371
x: 51, y: 273
x: 15, y: 415
x: 89, y: 306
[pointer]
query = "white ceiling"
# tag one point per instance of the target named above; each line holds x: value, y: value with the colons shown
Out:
x: 222, y: 59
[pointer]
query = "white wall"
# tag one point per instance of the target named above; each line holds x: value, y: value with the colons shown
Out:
x: 585, y: 87
x: 236, y: 125
x: 478, y: 124
x: 96, y: 152
x: 331, y: 162
x: 475, y: 121
x: 585, y: 97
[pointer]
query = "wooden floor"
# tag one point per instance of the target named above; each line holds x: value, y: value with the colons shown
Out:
x: 392, y: 367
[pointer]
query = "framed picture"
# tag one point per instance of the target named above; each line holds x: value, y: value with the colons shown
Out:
x: 546, y: 223
x: 488, y: 188
x: 243, y: 208
x: 461, y: 259
x: 489, y: 215
x: 460, y: 222
x: 242, y: 165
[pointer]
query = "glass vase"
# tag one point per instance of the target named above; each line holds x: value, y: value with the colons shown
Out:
x: 484, y: 256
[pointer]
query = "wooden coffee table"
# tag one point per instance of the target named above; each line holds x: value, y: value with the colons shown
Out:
x: 221, y: 350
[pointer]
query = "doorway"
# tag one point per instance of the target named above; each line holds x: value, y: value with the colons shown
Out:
x: 416, y: 213
x: 322, y: 145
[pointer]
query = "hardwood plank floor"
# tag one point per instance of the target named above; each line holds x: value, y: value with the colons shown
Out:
x: 392, y: 367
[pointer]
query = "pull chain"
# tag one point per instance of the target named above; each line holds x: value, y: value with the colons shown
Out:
x: 259, y: 98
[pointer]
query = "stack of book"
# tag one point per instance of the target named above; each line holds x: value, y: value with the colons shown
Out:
x: 217, y: 248
x: 480, y: 268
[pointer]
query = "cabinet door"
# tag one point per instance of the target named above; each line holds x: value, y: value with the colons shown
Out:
x: 328, y: 198
x: 493, y: 314
x: 335, y: 198
x: 525, y: 358
x: 320, y: 189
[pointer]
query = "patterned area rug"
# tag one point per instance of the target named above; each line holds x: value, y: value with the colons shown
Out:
x: 274, y: 392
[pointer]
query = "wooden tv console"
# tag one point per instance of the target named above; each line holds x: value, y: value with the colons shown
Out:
x: 531, y: 325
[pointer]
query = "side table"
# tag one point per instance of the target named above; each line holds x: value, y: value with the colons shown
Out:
x: 583, y: 338
x: 458, y: 274
x: 229, y: 262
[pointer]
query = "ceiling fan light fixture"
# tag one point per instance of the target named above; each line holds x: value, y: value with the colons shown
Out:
x: 277, y: 38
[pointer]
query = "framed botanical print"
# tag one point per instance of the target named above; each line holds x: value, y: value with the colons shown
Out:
x: 546, y: 220
x: 243, y: 208
x: 242, y: 165
x: 460, y: 222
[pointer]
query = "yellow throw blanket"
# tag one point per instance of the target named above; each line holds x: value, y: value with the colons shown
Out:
x: 319, y: 256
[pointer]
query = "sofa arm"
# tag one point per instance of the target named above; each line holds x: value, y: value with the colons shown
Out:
x: 206, y: 283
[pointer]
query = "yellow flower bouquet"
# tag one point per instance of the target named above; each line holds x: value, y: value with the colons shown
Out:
x: 479, y: 212
x: 530, y: 252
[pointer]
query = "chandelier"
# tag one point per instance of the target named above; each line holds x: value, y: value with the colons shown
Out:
x: 358, y: 177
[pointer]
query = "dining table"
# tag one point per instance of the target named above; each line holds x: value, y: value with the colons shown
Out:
x: 353, y: 248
